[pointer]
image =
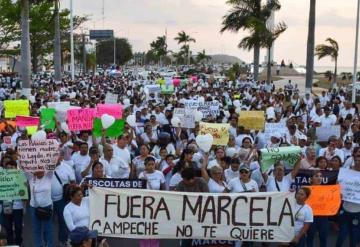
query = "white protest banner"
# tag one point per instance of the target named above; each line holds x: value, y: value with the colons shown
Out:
x: 272, y: 128
x: 153, y: 88
x: 131, y: 213
x: 349, y: 181
x: 111, y: 98
x: 186, y: 116
x: 323, y: 133
x: 208, y: 108
x: 38, y: 155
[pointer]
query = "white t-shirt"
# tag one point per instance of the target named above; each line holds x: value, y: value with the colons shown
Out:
x: 175, y: 179
x: 80, y: 163
x: 338, y: 152
x: 303, y: 214
x: 284, y: 185
x: 77, y: 216
x: 65, y: 174
x: 230, y: 174
x: 122, y: 153
x: 154, y: 180
x: 116, y: 168
x: 235, y: 186
x: 40, y: 190
x: 214, y: 187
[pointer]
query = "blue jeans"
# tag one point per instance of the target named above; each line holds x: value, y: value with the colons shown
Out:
x: 42, y: 228
x: 321, y: 225
x: 14, y: 221
x: 58, y: 211
x: 349, y: 225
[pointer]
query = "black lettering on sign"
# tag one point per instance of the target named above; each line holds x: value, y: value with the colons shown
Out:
x: 185, y: 231
x: 196, y: 209
x: 286, y: 211
x: 233, y: 219
x: 223, y: 203
x: 253, y: 210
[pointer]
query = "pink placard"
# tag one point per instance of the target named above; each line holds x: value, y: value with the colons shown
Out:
x: 81, y: 119
x: 194, y: 78
x: 23, y: 121
x: 114, y: 110
x: 176, y: 82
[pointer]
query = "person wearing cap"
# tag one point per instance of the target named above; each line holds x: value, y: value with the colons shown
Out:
x: 279, y: 182
x: 275, y: 140
x: 327, y: 119
x: 331, y: 149
x: 244, y: 183
x: 82, y: 237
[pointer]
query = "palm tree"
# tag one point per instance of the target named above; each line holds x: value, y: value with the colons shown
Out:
x: 202, y: 56
x: 245, y: 15
x: 184, y: 38
x: 329, y: 50
x: 159, y: 47
x: 310, y: 47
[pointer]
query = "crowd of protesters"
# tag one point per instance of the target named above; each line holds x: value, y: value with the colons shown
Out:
x: 168, y: 158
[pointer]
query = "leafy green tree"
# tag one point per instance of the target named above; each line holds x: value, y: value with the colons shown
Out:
x: 105, y: 52
x: 202, y: 56
x: 329, y: 50
x: 185, y: 39
x: 159, y: 47
x: 246, y: 15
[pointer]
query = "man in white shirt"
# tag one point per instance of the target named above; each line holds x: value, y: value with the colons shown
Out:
x: 323, y: 98
x: 347, y: 110
x: 114, y: 166
x: 81, y: 159
x: 331, y: 150
x: 120, y: 149
x: 327, y: 119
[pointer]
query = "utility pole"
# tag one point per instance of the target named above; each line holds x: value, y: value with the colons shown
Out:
x: 84, y: 53
x: 353, y: 98
x: 72, y: 62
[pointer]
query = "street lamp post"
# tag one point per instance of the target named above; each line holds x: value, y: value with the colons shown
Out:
x: 72, y: 41
x: 353, y: 98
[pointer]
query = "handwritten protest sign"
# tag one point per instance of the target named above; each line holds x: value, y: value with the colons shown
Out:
x: 303, y: 177
x: 269, y: 156
x: 252, y: 120
x: 349, y: 181
x: 24, y: 121
x: 14, y: 108
x: 323, y: 133
x: 81, y: 119
x: 114, y: 130
x: 220, y: 132
x: 111, y: 98
x: 13, y: 185
x: 260, y: 217
x: 324, y: 200
x: 114, y: 110
x: 208, y: 108
x: 47, y: 118
x: 152, y: 89
x: 38, y: 155
x: 272, y: 128
x: 186, y: 116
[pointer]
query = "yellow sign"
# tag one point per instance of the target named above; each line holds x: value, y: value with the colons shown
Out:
x: 252, y: 120
x: 15, y: 108
x: 31, y: 129
x: 220, y: 132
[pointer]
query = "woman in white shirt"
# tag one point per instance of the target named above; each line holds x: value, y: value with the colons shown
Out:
x: 77, y: 211
x: 215, y: 180
x: 155, y: 180
x: 41, y: 207
x: 303, y: 217
x: 243, y: 183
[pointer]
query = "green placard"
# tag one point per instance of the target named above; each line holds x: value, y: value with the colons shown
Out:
x: 271, y: 155
x: 167, y: 89
x: 13, y: 185
x: 113, y: 131
x: 47, y: 118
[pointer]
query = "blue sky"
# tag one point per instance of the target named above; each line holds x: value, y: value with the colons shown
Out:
x: 143, y: 20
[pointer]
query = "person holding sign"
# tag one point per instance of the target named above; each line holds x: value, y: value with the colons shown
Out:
x: 321, y: 223
x: 303, y: 217
x: 215, y: 180
x: 278, y: 181
x: 350, y: 213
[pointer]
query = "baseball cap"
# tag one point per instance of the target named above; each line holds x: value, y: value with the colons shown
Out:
x: 244, y: 167
x: 79, y: 234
